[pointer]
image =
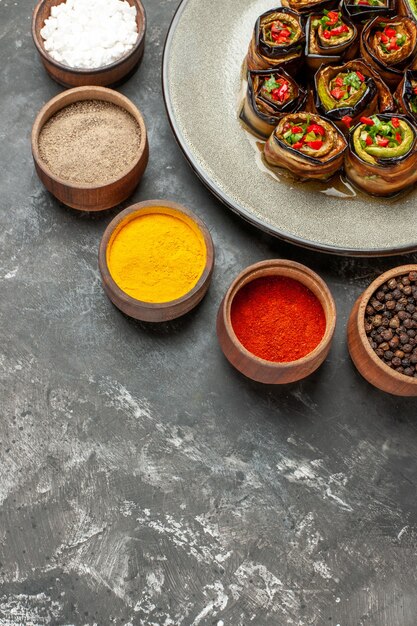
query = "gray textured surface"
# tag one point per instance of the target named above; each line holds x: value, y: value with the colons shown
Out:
x: 143, y: 481
x: 230, y: 158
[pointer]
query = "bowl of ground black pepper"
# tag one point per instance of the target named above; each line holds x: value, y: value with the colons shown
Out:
x: 276, y: 322
x: 90, y: 147
x: 382, y: 332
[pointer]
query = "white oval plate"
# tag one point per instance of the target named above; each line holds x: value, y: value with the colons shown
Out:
x: 204, y: 51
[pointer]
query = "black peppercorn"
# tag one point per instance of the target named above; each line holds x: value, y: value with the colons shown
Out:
x: 377, y: 321
x: 394, y: 343
x: 391, y: 324
x: 394, y: 323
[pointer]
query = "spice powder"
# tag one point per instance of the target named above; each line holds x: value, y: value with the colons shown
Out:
x: 90, y: 142
x: 157, y: 257
x: 278, y: 319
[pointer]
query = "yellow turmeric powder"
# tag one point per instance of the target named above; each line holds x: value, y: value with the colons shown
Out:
x: 158, y: 256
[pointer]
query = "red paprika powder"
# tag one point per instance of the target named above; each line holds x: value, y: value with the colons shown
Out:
x: 277, y: 318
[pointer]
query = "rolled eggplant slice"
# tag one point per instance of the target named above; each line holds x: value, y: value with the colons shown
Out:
x: 277, y: 42
x: 382, y: 156
x: 408, y: 7
x: 389, y: 46
x: 306, y: 6
x: 307, y: 145
x: 406, y: 95
x: 361, y: 11
x: 268, y: 97
x: 331, y: 38
x: 345, y: 93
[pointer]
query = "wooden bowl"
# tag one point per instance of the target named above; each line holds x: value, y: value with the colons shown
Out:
x: 266, y: 371
x: 366, y: 361
x: 146, y: 311
x: 90, y: 197
x: 112, y: 74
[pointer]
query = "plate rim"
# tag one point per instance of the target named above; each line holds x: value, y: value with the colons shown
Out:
x: 235, y: 206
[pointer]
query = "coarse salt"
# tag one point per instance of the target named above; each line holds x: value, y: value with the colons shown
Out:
x: 89, y: 34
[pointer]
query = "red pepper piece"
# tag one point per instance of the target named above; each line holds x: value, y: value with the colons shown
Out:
x: 368, y: 140
x: 384, y: 38
x: 339, y: 30
x: 326, y: 34
x: 315, y: 145
x: 283, y: 92
x: 332, y: 16
x: 382, y: 141
x: 285, y: 33
x: 346, y: 119
x: 367, y: 121
x: 339, y: 81
x: 390, y: 32
x: 298, y: 145
x: 398, y: 138
x: 296, y: 129
x: 395, y: 122
x: 338, y: 93
x: 393, y: 45
x: 316, y: 128
x: 360, y: 76
x: 415, y: 90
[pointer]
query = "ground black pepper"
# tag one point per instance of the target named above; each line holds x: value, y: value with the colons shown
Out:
x: 391, y: 324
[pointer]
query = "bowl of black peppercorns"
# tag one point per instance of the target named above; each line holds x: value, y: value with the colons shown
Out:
x: 382, y: 332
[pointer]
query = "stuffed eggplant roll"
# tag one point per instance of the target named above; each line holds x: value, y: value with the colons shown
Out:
x: 389, y: 46
x: 307, y: 145
x: 360, y: 11
x: 382, y: 156
x: 346, y: 92
x: 306, y: 6
x: 406, y: 95
x: 408, y: 7
x: 331, y: 37
x: 269, y: 95
x: 277, y: 42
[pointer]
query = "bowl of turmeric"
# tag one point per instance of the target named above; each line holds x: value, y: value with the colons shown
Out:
x: 156, y: 260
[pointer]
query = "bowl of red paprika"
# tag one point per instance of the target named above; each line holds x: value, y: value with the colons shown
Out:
x: 276, y: 322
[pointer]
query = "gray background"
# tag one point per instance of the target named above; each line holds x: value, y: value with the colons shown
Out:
x: 143, y: 480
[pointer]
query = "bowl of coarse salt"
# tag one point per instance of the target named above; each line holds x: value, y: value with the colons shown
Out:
x: 89, y: 42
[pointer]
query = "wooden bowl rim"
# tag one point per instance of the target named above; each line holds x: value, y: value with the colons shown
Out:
x: 122, y: 101
x: 252, y: 272
x: 87, y: 71
x: 141, y: 208
x: 400, y: 270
